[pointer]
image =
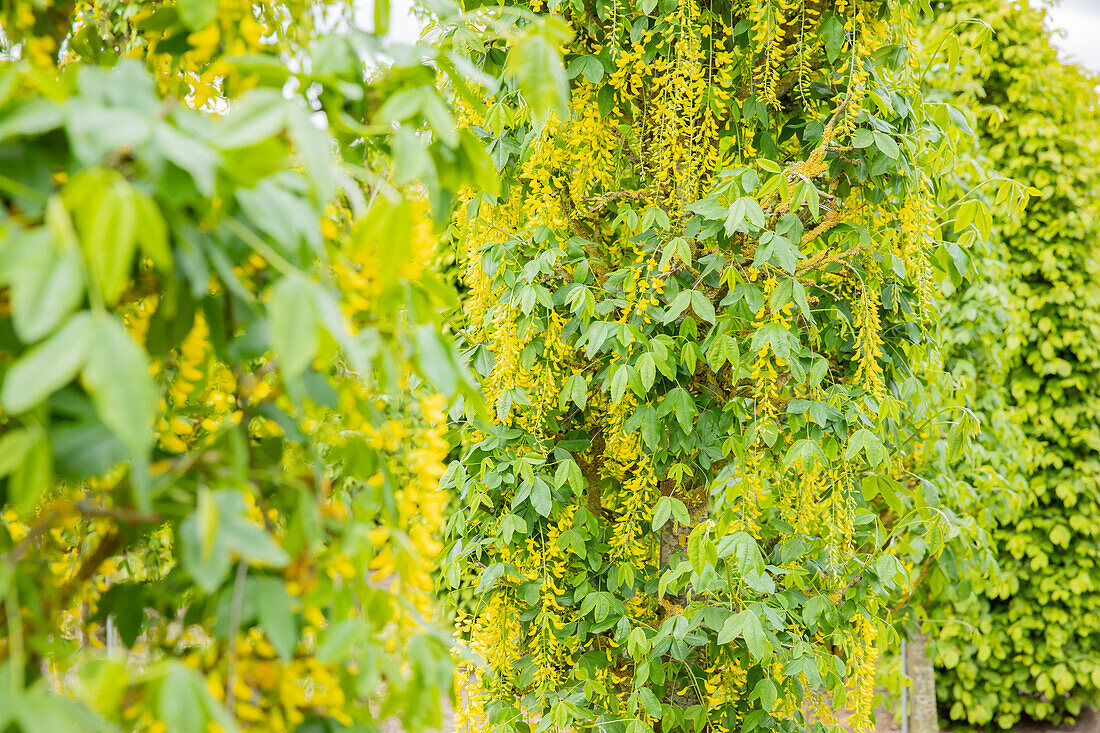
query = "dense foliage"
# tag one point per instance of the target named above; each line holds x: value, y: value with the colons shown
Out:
x: 623, y: 365
x: 1026, y: 643
x: 697, y: 309
x: 223, y: 377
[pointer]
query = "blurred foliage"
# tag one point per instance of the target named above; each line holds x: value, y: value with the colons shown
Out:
x: 223, y: 373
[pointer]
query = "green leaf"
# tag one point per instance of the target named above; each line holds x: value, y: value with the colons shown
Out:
x: 14, y: 446
x: 620, y: 382
x: 702, y: 306
x: 832, y: 29
x: 152, y: 233
x: 218, y: 527
x: 863, y: 138
x: 744, y: 209
x: 814, y: 607
x: 760, y: 582
x: 47, y: 367
x: 647, y: 370
x: 680, y: 512
x: 511, y: 523
x: 535, y: 62
x: 241, y: 536
x: 650, y: 702
x: 541, y: 499
x: 252, y: 543
x: 662, y: 512
x: 736, y: 216
x: 863, y: 439
x: 803, y: 452
x: 110, y: 241
x: 651, y: 429
x: 887, y: 488
x: 337, y: 641
x: 721, y: 350
x: 119, y: 382
x: 731, y: 629
x: 681, y: 404
x: 295, y: 338
x: 817, y: 372
x: 700, y: 550
x: 956, y: 440
x: 576, y: 388
x: 745, y: 549
x: 435, y: 360
x: 887, y: 145
x: 203, y: 554
x: 778, y: 250
x: 178, y: 701
x: 197, y: 14
x: 31, y: 479
x: 589, y: 67
x: 768, y: 693
x: 47, y: 284
x: 257, y: 115
x: 676, y: 247
x: 190, y: 154
x: 678, y: 305
x: 569, y: 472
x: 753, y: 633
x: 438, y: 117
x: 32, y: 116
x: 819, y: 413
x: 276, y: 617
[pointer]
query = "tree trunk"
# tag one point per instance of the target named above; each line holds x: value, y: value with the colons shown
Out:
x: 673, y: 544
x: 922, y: 715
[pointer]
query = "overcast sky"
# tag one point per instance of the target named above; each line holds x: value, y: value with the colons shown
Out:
x: 1077, y: 24
x: 1079, y: 39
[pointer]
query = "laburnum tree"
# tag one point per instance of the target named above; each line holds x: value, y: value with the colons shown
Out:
x: 1025, y: 643
x: 223, y: 377
x: 698, y: 309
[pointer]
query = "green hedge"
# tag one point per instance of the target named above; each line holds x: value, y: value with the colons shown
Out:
x: 1028, y: 642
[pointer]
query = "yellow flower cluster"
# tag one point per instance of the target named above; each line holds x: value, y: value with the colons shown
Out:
x: 869, y: 341
x: 765, y: 371
x: 591, y: 141
x: 420, y: 503
x: 725, y: 685
x: 201, y: 393
x: 494, y: 637
x: 841, y: 515
x: 268, y: 693
x: 626, y: 459
x: 916, y: 223
x: 862, y: 681
x: 200, y: 74
x: 767, y: 35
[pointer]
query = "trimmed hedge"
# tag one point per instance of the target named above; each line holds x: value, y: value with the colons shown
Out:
x: 1028, y: 642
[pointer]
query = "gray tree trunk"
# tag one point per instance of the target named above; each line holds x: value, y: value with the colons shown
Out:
x: 922, y: 714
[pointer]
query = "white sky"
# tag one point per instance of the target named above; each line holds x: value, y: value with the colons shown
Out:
x: 404, y: 28
x: 1077, y: 31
